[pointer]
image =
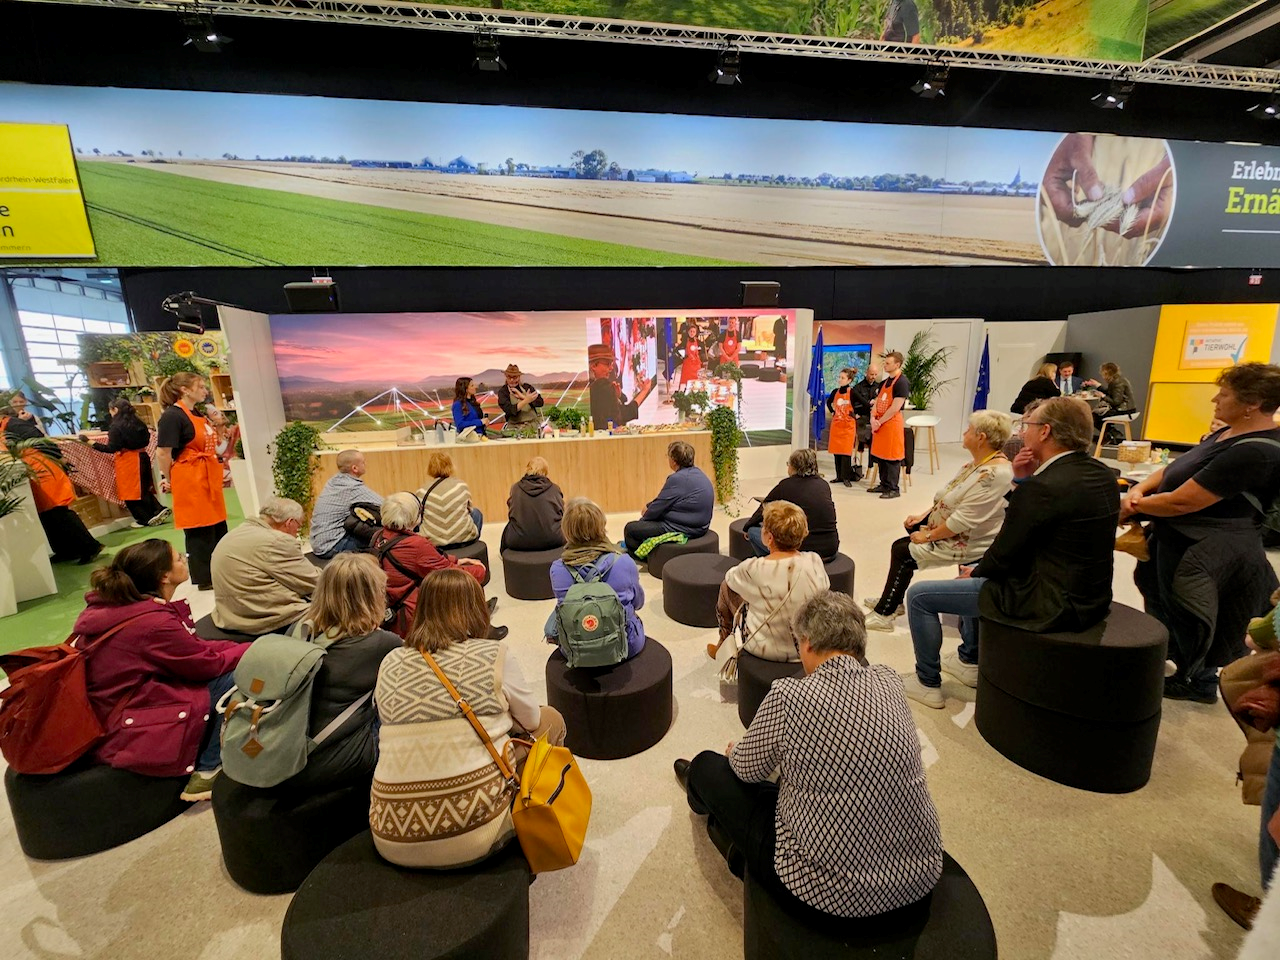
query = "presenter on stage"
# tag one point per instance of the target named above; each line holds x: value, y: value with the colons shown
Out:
x: 608, y: 402
x: 888, y: 432
x: 519, y: 401
x: 190, y: 469
x: 731, y: 344
x: 844, y: 427
x: 467, y: 411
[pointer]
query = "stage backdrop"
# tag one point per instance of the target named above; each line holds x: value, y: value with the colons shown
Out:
x: 348, y: 373
x: 304, y: 180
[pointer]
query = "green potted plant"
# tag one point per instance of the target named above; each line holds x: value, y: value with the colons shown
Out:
x: 726, y: 434
x: 923, y: 367
x: 293, y: 464
x: 691, y: 403
x: 566, y: 418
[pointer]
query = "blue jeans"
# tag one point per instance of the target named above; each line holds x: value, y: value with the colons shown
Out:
x: 1267, y: 854
x: 348, y: 544
x: 925, y: 601
x: 211, y: 753
x: 478, y: 517
x: 756, y: 536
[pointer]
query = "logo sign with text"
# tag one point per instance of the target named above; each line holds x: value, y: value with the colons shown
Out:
x: 1213, y: 344
x: 42, y: 212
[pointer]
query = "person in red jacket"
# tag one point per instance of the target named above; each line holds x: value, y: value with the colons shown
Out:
x: 154, y: 683
x: 408, y: 557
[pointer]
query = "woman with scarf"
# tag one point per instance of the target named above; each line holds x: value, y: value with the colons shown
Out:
x: 587, y: 552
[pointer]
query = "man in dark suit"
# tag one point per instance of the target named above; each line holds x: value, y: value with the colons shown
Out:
x: 1066, y: 381
x: 1051, y: 564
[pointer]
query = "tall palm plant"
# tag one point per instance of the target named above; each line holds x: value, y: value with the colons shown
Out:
x: 923, y: 367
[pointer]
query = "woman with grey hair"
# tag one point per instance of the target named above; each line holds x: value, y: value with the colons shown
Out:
x: 849, y: 833
x: 407, y: 558
x: 808, y: 491
x: 965, y: 517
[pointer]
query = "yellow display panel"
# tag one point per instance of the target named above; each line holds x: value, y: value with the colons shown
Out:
x: 42, y: 212
x: 1227, y: 334
x: 1178, y: 412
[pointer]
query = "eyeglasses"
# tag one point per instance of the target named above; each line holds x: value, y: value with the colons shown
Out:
x: 1032, y: 423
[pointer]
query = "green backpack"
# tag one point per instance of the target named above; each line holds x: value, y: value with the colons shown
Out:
x: 591, y: 623
x: 267, y: 713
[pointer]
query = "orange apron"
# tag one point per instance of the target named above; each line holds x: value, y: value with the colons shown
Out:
x: 196, y: 479
x: 128, y: 464
x: 50, y: 485
x: 889, y: 442
x: 844, y: 427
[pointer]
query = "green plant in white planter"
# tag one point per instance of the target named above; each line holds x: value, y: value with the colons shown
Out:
x: 14, y: 475
x: 923, y: 367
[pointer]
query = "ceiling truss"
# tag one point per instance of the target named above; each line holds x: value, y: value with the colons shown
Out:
x: 416, y: 16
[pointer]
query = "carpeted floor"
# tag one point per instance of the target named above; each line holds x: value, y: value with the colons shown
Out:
x: 1067, y: 875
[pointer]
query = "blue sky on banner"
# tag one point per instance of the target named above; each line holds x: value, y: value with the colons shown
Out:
x: 209, y: 125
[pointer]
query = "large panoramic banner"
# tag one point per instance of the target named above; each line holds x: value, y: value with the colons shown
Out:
x: 178, y: 178
x: 1171, y: 22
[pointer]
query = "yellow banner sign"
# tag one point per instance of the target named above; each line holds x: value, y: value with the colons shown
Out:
x: 42, y: 211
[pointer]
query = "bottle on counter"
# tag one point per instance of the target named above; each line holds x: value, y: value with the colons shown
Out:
x: 591, y: 427
x: 611, y: 426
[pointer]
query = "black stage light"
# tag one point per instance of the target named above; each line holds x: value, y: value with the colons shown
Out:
x: 318, y: 296
x: 202, y: 34
x: 1268, y: 109
x: 1115, y: 96
x: 728, y: 68
x: 933, y: 83
x: 486, y: 50
x: 759, y: 293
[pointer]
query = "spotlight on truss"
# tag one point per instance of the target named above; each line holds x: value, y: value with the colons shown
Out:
x: 485, y: 45
x: 728, y: 68
x: 202, y: 34
x: 1268, y: 109
x: 1115, y: 96
x: 933, y: 83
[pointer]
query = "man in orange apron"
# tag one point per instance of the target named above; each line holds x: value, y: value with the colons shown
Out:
x: 844, y: 428
x: 188, y: 462
x: 888, y: 432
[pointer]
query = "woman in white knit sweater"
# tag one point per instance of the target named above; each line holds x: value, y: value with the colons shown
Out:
x: 448, y: 519
x: 965, y: 517
x: 438, y: 799
x: 772, y: 588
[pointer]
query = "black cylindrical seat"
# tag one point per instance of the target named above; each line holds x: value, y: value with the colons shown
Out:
x: 527, y: 573
x: 755, y: 677
x: 477, y: 550
x: 709, y: 542
x: 840, y: 573
x: 691, y: 585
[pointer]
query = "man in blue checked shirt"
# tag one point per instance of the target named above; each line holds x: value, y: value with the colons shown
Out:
x: 343, y: 491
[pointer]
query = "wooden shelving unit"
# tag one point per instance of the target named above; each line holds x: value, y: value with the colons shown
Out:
x: 220, y: 392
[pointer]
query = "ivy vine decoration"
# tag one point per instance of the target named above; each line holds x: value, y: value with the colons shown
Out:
x: 726, y: 434
x: 293, y: 464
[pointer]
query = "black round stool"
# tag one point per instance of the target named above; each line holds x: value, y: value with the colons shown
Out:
x: 613, y: 712
x: 840, y: 573
x: 956, y: 926
x: 88, y: 808
x: 770, y: 375
x: 527, y: 573
x: 709, y: 542
x: 739, y: 545
x: 271, y: 839
x: 691, y: 586
x: 206, y: 629
x: 750, y: 370
x: 356, y: 906
x: 479, y: 550
x: 755, y: 677
x: 1082, y: 709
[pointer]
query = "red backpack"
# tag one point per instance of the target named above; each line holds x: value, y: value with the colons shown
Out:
x: 46, y: 719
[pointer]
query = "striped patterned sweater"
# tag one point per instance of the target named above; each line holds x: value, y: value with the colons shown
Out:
x: 446, y: 515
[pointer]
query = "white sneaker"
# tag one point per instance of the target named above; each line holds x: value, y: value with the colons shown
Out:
x: 876, y: 622
x: 966, y: 673
x: 917, y: 691
x: 872, y: 602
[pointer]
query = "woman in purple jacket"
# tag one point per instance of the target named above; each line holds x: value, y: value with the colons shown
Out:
x: 153, y: 682
x: 588, y: 551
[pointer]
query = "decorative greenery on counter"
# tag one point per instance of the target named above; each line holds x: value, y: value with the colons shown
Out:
x: 726, y: 434
x: 566, y: 418
x: 293, y: 464
x: 923, y: 367
x: 687, y: 403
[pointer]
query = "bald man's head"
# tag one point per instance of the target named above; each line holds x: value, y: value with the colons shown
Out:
x: 352, y: 462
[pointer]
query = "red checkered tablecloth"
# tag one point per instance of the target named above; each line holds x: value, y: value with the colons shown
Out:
x: 93, y: 471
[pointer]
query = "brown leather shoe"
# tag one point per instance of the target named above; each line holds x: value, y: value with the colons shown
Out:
x: 1239, y: 906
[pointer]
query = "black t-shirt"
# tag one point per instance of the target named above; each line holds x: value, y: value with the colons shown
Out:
x: 175, y: 430
x: 901, y: 388
x: 901, y: 21
x: 1248, y: 464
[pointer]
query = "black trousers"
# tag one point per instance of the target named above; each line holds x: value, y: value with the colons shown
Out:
x: 845, y: 470
x: 67, y: 535
x: 890, y: 471
x: 145, y: 509
x: 638, y: 531
x: 902, y: 567
x: 743, y: 815
x: 200, y: 544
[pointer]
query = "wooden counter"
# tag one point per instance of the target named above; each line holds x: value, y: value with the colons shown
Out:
x: 620, y: 473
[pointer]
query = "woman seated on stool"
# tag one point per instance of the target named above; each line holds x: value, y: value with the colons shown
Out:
x: 807, y: 490
x: 850, y: 830
x: 759, y: 595
x: 448, y: 519
x: 535, y: 508
x: 345, y: 618
x: 1039, y: 387
x: 1117, y: 395
x: 146, y: 654
x: 467, y: 411
x: 587, y: 553
x: 407, y: 558
x: 965, y: 517
x: 430, y: 757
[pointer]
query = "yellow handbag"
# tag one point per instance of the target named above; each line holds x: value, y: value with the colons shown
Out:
x: 552, y: 806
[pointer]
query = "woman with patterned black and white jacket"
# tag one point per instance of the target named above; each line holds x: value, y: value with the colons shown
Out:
x: 448, y: 518
x: 962, y: 523
x: 438, y: 800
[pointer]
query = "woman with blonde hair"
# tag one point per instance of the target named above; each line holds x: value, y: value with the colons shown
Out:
x: 589, y: 555
x: 447, y: 517
x: 535, y: 507
x: 345, y: 618
x: 1039, y: 387
x: 759, y: 596
x: 438, y: 799
x: 186, y: 453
